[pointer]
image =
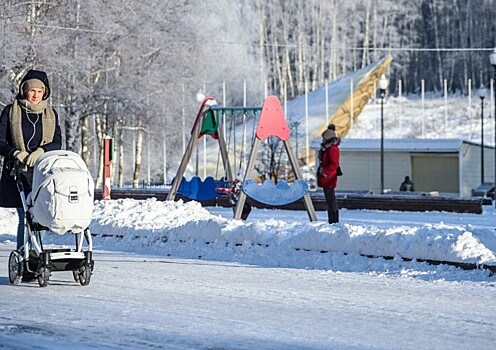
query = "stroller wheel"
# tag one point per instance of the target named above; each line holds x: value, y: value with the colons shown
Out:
x: 75, y: 274
x: 43, y: 276
x: 84, y: 275
x: 16, y: 267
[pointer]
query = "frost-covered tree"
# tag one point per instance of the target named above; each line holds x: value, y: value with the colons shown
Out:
x: 122, y: 67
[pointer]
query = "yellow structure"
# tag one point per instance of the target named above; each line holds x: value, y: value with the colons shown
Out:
x: 364, y: 87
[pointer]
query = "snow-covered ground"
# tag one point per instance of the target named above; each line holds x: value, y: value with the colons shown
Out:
x: 457, y: 116
x: 179, y: 276
x: 174, y: 275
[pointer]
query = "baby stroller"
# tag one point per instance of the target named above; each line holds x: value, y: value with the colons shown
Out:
x: 61, y: 201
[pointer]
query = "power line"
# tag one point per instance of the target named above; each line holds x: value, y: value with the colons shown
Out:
x: 440, y: 49
x: 94, y: 31
x: 221, y: 42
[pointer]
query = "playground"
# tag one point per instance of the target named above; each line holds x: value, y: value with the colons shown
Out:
x: 272, y: 191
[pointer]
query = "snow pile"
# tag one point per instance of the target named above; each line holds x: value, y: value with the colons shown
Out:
x: 281, y: 238
x: 188, y: 230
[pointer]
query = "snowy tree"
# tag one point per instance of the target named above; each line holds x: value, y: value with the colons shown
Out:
x: 114, y: 66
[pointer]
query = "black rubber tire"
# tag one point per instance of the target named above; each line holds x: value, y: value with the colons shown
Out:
x: 16, y: 267
x: 75, y: 274
x: 43, y: 276
x: 85, y: 275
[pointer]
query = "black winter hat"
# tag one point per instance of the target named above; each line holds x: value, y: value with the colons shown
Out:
x: 35, y: 74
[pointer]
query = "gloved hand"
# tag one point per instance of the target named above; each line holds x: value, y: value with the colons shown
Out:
x: 33, y: 157
x: 21, y: 155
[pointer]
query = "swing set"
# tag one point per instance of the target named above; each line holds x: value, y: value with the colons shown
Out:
x: 209, y: 121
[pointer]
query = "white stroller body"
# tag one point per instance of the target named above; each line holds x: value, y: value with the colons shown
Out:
x: 61, y: 201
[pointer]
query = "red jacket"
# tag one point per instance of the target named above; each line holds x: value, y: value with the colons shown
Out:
x: 330, y: 163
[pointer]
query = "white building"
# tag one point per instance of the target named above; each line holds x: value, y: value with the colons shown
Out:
x: 451, y: 167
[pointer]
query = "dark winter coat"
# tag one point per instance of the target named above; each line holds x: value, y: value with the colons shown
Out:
x: 329, y: 162
x: 32, y: 132
x: 407, y: 185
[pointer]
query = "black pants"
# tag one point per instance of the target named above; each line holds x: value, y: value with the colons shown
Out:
x: 330, y: 196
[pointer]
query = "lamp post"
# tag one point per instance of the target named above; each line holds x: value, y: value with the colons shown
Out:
x: 482, y: 92
x: 492, y: 59
x: 296, y: 124
x: 200, y: 96
x: 383, y: 84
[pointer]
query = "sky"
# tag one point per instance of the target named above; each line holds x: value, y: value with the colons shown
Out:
x: 175, y: 275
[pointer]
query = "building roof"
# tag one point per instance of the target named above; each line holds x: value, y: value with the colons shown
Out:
x: 400, y: 145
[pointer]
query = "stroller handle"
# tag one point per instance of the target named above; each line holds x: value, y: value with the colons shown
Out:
x: 16, y: 168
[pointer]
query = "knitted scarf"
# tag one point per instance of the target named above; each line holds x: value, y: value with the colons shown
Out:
x: 48, y: 121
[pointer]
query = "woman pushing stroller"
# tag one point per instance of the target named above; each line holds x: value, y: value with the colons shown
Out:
x: 29, y: 127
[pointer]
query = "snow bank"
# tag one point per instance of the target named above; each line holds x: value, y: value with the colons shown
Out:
x: 282, y: 238
x: 188, y: 230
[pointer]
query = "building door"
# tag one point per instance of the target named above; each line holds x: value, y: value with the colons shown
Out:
x: 436, y: 172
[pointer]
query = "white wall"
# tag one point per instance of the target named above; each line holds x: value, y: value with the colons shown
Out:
x: 362, y: 170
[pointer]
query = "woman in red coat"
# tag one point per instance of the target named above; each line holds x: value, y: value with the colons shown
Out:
x: 327, y: 175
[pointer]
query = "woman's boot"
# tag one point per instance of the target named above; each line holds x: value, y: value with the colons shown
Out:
x: 332, y: 216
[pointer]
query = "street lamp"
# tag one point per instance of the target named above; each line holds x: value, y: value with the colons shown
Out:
x: 296, y: 125
x: 383, y: 84
x: 200, y: 96
x: 482, y: 92
x: 492, y: 59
